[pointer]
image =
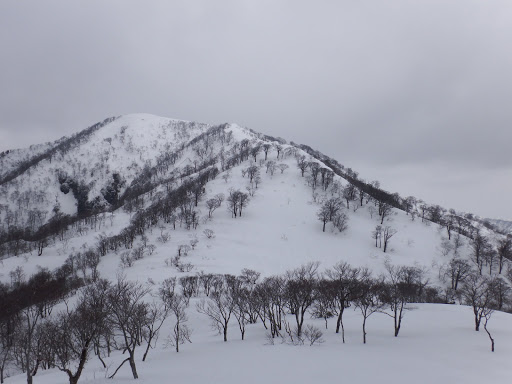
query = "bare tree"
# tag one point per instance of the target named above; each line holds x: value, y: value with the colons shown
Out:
x: 349, y: 193
x: 369, y: 300
x: 237, y: 200
x: 271, y: 167
x: 270, y: 297
x: 401, y: 287
x: 504, y: 252
x: 480, y: 246
x: 344, y: 288
x: 387, y: 234
x: 71, y: 335
x: 282, y: 167
x: 458, y: 270
x: 324, y: 298
x: 340, y: 221
x: 328, y: 211
x: 128, y: 317
x: 156, y: 315
x: 302, y: 164
x: 177, y: 305
x: 266, y: 148
x: 313, y: 334
x: 7, y: 342
x: 219, y: 307
x: 384, y: 211
x: 500, y: 291
x: 377, y: 235
x: 212, y: 205
x: 252, y: 172
x: 255, y: 151
x: 477, y: 293
x: 300, y: 291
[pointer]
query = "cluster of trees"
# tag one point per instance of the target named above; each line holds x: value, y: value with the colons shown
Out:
x: 23, y: 304
x: 38, y: 332
x: 463, y: 224
x: 487, y: 253
x: 304, y: 291
x: 326, y: 295
x: 332, y: 211
x: 382, y: 236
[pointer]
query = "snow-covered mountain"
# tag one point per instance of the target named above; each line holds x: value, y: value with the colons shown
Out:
x: 151, y: 196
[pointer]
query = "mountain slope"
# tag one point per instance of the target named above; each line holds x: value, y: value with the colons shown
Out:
x: 168, y: 171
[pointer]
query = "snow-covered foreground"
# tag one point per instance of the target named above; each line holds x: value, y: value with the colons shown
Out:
x: 436, y: 345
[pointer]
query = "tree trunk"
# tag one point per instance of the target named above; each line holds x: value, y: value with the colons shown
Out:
x: 364, y: 330
x: 133, y: 367
x: 489, y: 334
x: 477, y: 321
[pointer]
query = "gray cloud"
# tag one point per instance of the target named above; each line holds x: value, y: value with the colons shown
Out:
x: 416, y: 86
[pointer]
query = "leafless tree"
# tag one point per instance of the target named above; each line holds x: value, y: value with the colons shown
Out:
x: 313, y: 335
x: 340, y: 221
x: 7, y: 342
x: 478, y: 293
x: 266, y: 148
x: 177, y: 305
x: 458, y: 242
x: 300, y: 291
x: 480, y: 246
x: 156, y: 315
x: 219, y: 307
x: 384, y: 211
x: 237, y: 200
x: 212, y: 205
x: 344, y: 288
x: 387, y: 234
x: 71, y: 335
x: 329, y: 210
x: 402, y: 284
x: 349, y: 193
x: 504, y: 252
x: 500, y: 290
x: 369, y: 299
x: 270, y: 298
x: 255, y: 151
x: 279, y: 148
x: 324, y: 298
x: 302, y: 164
x: 128, y: 317
x: 458, y: 270
x: 252, y: 172
x: 282, y: 167
x: 377, y: 235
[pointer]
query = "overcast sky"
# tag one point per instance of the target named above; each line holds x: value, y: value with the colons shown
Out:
x: 416, y: 94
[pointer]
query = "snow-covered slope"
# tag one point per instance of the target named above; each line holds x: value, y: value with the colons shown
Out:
x: 501, y: 225
x: 279, y: 230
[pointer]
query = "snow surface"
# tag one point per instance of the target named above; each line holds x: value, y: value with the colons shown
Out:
x: 436, y: 345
